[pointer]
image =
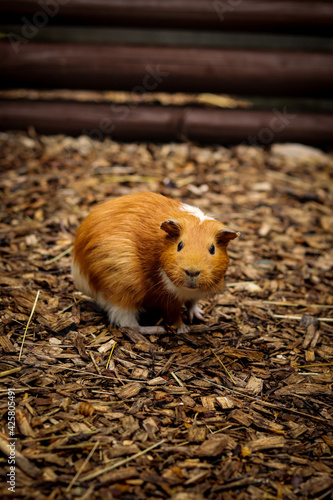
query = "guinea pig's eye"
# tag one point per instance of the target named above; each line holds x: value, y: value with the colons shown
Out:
x: 180, y: 246
x: 212, y: 250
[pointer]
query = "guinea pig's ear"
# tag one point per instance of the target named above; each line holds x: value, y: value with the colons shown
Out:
x: 171, y: 227
x: 225, y: 235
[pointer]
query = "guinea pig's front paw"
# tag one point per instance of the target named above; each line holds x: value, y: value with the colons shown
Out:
x: 183, y: 328
x: 194, y: 311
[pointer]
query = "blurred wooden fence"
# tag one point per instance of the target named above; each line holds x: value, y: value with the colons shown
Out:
x: 278, y: 54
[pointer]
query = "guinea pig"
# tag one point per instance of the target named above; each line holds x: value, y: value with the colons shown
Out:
x: 146, y: 250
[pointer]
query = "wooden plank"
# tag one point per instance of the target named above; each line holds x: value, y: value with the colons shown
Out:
x: 249, y: 15
x: 142, y: 69
x: 158, y: 123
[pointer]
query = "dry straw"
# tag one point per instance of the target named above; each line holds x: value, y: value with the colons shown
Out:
x: 29, y: 320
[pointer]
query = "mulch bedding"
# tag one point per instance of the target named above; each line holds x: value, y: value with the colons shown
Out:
x: 238, y: 408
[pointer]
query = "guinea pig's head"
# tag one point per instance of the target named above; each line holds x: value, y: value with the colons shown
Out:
x: 194, y: 257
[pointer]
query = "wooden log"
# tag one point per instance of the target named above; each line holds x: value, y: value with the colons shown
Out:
x: 250, y: 15
x: 96, y: 120
x: 258, y: 127
x: 161, y: 124
x: 142, y: 69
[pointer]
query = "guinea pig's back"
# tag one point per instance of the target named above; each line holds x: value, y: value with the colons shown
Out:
x: 115, y: 240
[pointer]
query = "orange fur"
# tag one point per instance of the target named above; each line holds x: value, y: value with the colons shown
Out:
x: 127, y: 262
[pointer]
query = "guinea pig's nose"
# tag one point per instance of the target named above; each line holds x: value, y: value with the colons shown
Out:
x: 191, y: 273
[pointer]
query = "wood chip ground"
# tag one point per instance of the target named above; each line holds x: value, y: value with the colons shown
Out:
x: 240, y: 407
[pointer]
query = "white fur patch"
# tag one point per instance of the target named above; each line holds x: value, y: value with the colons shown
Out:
x: 196, y: 212
x: 183, y: 294
x: 80, y: 280
x: 119, y: 316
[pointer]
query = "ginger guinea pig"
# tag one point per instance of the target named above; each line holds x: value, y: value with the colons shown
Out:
x: 145, y: 250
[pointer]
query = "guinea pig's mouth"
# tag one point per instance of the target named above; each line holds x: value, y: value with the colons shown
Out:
x: 181, y: 285
x: 191, y: 286
x: 191, y: 283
